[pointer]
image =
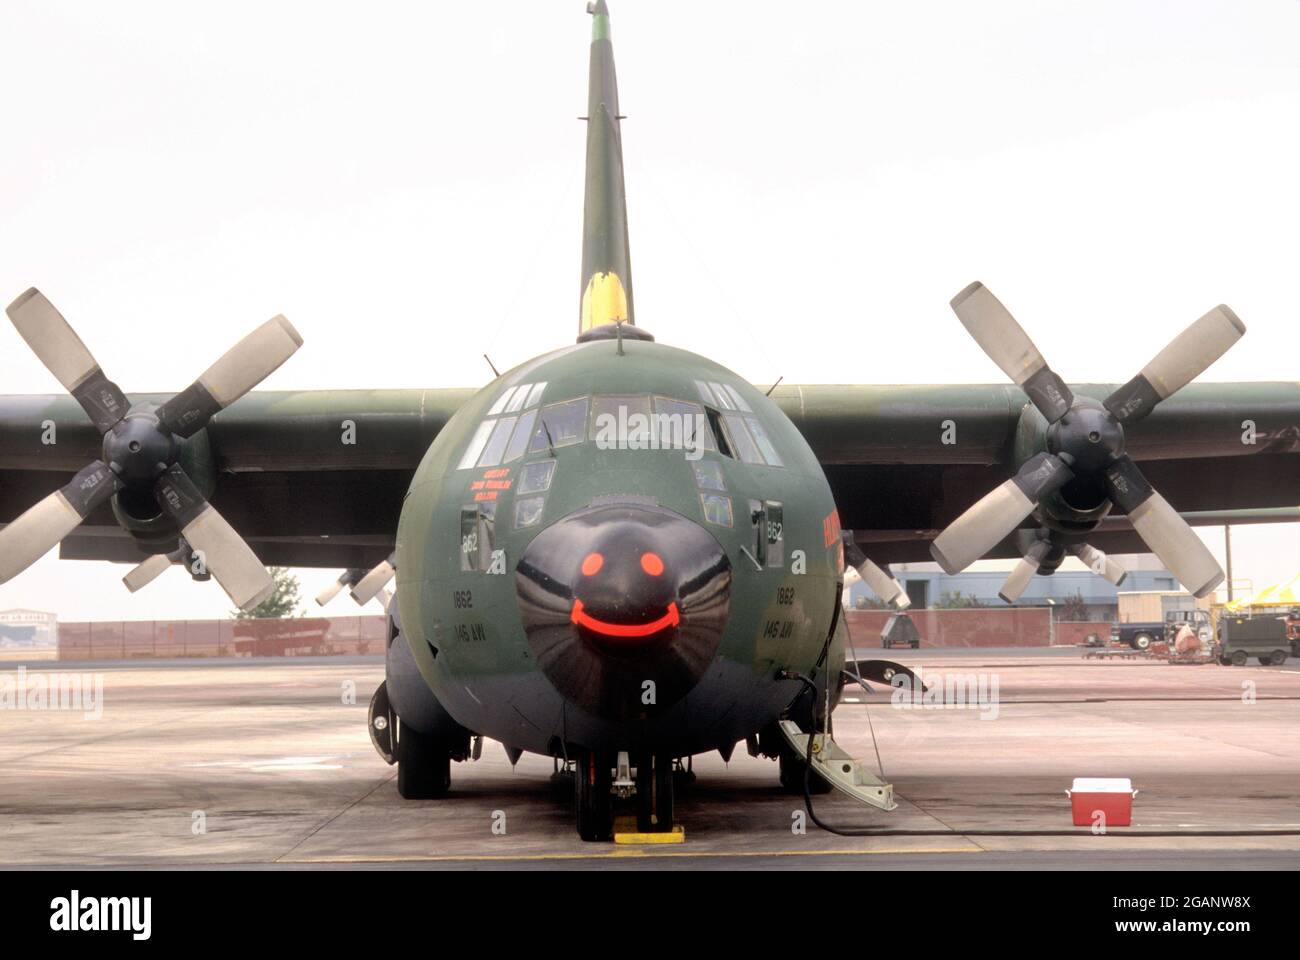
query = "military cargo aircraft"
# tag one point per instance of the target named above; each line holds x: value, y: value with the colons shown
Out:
x: 621, y: 554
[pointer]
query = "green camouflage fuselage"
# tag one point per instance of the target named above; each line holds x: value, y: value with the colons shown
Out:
x: 465, y: 626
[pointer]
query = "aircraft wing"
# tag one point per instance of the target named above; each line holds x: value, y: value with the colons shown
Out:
x: 286, y: 479
x: 309, y: 478
x: 898, y: 481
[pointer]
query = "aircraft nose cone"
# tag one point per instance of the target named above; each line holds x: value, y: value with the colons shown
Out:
x: 624, y: 606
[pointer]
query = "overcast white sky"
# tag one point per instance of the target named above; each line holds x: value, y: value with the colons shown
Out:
x: 808, y: 186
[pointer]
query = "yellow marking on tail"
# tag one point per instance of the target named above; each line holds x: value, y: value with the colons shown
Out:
x: 604, y: 301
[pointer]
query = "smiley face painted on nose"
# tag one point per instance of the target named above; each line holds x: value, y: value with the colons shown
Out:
x: 652, y: 565
x: 614, y: 596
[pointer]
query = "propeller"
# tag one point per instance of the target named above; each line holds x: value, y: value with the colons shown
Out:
x: 1101, y: 564
x: 347, y: 578
x: 141, y: 446
x: 369, y: 586
x: 881, y: 583
x: 1044, y: 556
x: 1024, y: 571
x: 156, y: 565
x: 1086, y: 439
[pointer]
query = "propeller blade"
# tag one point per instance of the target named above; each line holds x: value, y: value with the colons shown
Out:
x: 977, y: 530
x: 239, y: 370
x: 57, y: 346
x: 1006, y: 344
x: 346, y: 579
x: 1162, y: 529
x: 1188, y: 356
x: 1024, y: 571
x: 225, y: 553
x: 368, y: 587
x: 42, y: 526
x: 147, y: 572
x: 1101, y: 564
x: 386, y: 598
x: 881, y: 583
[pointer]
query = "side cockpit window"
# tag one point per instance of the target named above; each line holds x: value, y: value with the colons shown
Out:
x: 739, y: 433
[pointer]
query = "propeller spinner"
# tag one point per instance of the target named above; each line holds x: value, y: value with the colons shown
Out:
x: 140, y: 450
x: 1085, y: 439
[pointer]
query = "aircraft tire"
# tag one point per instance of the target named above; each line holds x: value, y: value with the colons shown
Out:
x: 645, y: 793
x: 663, y: 794
x: 593, y: 805
x: 423, y: 766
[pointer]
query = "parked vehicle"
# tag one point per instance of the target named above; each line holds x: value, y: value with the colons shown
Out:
x: 900, y: 631
x: 1263, y: 637
x: 1141, y: 635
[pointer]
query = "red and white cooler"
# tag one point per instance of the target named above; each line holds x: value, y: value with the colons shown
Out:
x: 1113, y: 796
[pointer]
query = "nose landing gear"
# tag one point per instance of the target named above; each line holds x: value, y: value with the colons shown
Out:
x: 595, y: 788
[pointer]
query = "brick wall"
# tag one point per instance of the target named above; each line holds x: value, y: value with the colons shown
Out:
x: 150, y: 639
x: 968, y: 627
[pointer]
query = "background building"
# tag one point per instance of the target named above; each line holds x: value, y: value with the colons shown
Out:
x: 928, y: 586
x: 28, y: 628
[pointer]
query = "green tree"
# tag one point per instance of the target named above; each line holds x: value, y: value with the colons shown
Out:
x: 955, y: 600
x: 1073, y: 607
x: 283, y: 601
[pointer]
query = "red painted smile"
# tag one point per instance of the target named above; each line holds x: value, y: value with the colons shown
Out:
x: 584, y: 619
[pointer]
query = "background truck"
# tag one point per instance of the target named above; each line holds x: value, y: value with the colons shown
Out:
x: 1263, y: 637
x: 1142, y: 634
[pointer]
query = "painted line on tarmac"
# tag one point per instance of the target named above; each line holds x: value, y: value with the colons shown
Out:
x: 632, y: 853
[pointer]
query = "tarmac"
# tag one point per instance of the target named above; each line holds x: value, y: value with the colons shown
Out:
x: 267, y: 764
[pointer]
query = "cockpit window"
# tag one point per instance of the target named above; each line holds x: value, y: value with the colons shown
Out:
x: 708, y: 475
x: 535, y: 477
x: 476, y: 444
x: 681, y: 425
x: 516, y: 398
x: 560, y: 425
x: 519, y: 439
x: 623, y: 422
x: 516, y: 401
x: 496, y: 445
x: 723, y: 396
x: 535, y: 394
x: 764, y: 442
x: 740, y: 401
x: 717, y: 510
x: 741, y: 441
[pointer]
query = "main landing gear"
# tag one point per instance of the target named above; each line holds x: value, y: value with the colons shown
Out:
x: 423, y: 765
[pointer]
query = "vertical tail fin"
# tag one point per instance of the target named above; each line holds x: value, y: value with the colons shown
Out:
x: 606, y: 260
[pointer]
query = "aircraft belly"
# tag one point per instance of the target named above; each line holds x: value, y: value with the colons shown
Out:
x: 525, y: 710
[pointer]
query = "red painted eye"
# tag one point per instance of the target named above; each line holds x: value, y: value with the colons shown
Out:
x: 591, y: 566
x: 651, y: 564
